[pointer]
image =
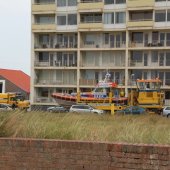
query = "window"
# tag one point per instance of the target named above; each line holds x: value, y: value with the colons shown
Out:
x: 137, y: 56
x: 109, y: 18
x: 61, y: 3
x: 61, y: 20
x: 109, y: 2
x: 120, y: 1
x: 44, y: 39
x: 120, y: 17
x: 72, y: 19
x: 168, y: 39
x: 44, y: 1
x: 160, y: 16
x: 106, y: 38
x: 167, y: 59
x: 72, y: 2
x: 159, y: 0
x: 43, y: 56
x: 45, y: 19
x: 137, y: 37
x: 168, y: 15
x: 154, y: 57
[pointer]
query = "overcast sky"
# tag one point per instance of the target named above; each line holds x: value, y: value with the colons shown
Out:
x: 15, y: 30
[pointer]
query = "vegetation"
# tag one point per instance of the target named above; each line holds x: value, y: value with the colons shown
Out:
x: 89, y: 127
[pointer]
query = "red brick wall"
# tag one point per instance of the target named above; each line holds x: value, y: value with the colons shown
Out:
x: 31, y: 154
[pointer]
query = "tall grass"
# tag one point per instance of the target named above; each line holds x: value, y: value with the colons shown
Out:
x: 126, y: 128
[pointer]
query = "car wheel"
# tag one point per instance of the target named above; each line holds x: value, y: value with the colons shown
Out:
x: 168, y: 116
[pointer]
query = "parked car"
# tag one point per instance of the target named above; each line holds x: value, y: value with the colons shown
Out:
x: 133, y: 110
x: 57, y: 109
x: 5, y: 107
x: 85, y: 109
x: 166, y: 111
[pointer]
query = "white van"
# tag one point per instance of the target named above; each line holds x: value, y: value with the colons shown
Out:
x: 85, y: 109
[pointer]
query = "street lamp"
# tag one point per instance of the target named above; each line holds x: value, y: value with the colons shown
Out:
x: 132, y: 75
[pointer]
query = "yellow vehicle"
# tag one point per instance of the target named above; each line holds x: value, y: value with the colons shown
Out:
x: 149, y: 95
x: 14, y: 99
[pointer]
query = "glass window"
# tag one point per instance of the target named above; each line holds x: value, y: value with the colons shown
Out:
x: 72, y: 19
x: 137, y: 74
x: 43, y: 56
x: 120, y: 1
x: 167, y: 59
x: 168, y: 15
x: 168, y: 39
x: 167, y: 78
x: 137, y: 56
x: 45, y: 19
x: 120, y: 17
x: 159, y: 0
x: 61, y: 3
x: 160, y: 16
x: 137, y: 37
x: 72, y: 2
x: 154, y: 57
x: 44, y: 1
x: 109, y: 18
x: 106, y: 38
x: 61, y: 20
x: 109, y: 2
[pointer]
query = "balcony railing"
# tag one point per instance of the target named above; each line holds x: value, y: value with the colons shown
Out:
x: 134, y: 44
x: 55, y: 82
x: 44, y: 27
x: 93, y: 82
x: 91, y: 25
x: 91, y: 5
x: 140, y: 23
x: 44, y: 7
x: 55, y: 64
x: 116, y: 64
x: 92, y: 44
x: 141, y: 63
x: 140, y: 3
x: 57, y: 45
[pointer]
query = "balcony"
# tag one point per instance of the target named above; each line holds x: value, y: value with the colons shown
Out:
x: 94, y: 6
x: 90, y: 26
x: 137, y: 63
x: 133, y: 4
x: 56, y: 45
x: 44, y: 27
x: 51, y: 82
x: 140, y: 24
x: 55, y: 64
x: 93, y: 82
x: 44, y: 8
x: 110, y: 45
x: 152, y: 44
x: 117, y: 63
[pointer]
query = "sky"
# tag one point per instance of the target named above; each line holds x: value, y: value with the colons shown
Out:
x: 15, y: 35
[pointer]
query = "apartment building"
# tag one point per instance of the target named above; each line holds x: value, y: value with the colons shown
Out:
x: 74, y: 42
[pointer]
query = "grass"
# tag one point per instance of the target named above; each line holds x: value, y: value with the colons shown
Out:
x: 151, y: 129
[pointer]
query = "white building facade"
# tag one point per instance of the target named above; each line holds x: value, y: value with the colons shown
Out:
x: 75, y: 42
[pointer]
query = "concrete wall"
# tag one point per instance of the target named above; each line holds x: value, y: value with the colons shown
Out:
x: 73, y: 155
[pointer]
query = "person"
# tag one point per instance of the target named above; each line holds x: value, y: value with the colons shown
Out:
x: 13, y: 106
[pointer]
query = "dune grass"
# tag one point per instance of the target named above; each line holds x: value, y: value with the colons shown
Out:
x: 151, y: 129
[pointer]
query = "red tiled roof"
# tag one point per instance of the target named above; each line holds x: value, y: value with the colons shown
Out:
x: 18, y: 78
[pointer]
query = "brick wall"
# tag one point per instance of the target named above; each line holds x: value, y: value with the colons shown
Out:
x: 28, y: 154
